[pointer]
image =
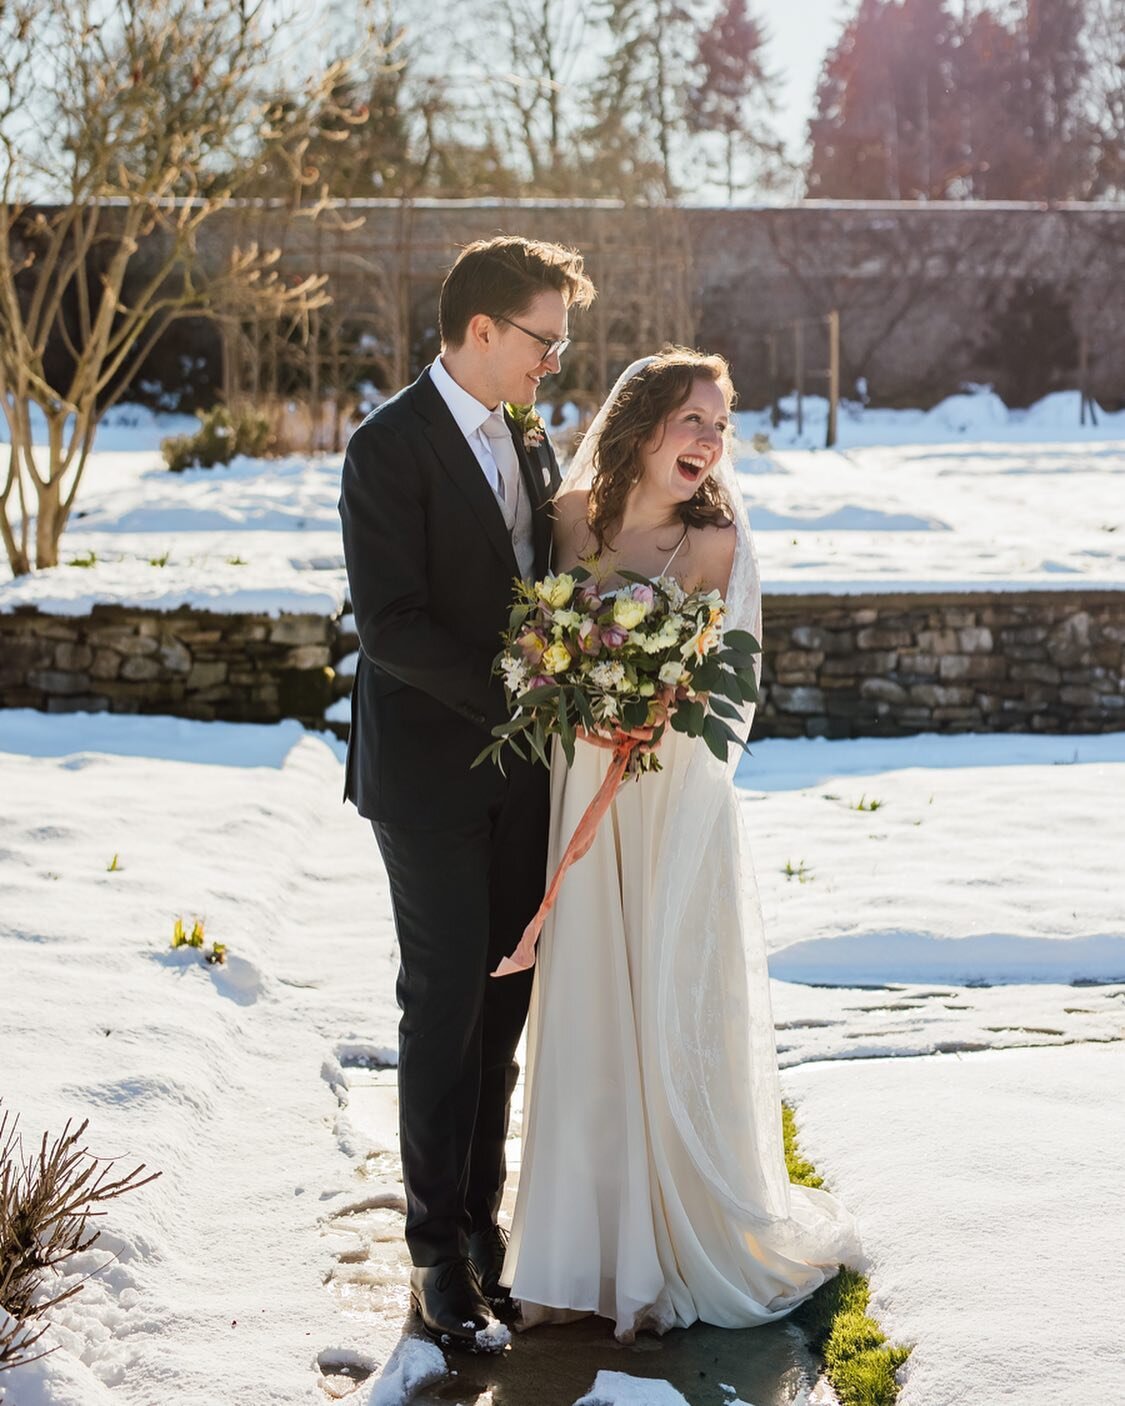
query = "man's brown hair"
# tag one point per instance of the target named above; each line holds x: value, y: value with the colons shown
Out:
x: 501, y: 277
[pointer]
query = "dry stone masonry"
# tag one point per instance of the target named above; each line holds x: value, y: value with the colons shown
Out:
x: 189, y: 663
x: 834, y: 666
x: 887, y: 665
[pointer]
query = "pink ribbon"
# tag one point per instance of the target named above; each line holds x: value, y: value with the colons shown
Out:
x: 524, y: 955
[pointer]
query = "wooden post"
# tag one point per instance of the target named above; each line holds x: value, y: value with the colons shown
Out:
x: 1084, y: 381
x: 775, y: 402
x: 833, y: 375
x: 799, y: 371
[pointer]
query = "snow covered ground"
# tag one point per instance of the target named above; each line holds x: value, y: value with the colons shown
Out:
x: 267, y: 1259
x: 942, y: 915
x: 965, y: 495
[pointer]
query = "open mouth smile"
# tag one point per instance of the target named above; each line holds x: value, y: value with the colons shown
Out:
x: 691, y: 466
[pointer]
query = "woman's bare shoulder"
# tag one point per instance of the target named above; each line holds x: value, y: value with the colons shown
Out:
x: 710, y: 556
x: 571, y: 530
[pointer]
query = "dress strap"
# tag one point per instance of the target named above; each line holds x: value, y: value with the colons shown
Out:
x: 675, y: 552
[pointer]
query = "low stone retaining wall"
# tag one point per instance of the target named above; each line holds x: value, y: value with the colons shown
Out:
x: 888, y: 665
x: 834, y: 666
x: 190, y: 663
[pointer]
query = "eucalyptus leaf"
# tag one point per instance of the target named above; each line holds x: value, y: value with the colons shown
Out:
x: 492, y: 750
x: 536, y: 738
x: 566, y: 728
x: 585, y: 712
x: 543, y: 693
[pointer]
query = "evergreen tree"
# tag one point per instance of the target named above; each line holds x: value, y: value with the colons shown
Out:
x: 886, y: 124
x: 735, y: 92
x: 994, y: 105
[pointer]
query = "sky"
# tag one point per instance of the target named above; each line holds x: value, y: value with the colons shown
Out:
x: 801, y: 32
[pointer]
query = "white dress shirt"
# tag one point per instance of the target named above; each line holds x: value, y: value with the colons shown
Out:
x: 470, y: 415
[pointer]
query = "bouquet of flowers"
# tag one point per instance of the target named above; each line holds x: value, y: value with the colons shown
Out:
x: 620, y: 666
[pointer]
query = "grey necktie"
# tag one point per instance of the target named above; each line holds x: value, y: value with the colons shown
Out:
x: 507, y: 465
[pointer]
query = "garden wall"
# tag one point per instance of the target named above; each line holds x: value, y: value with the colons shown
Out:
x: 834, y: 666
x: 886, y: 665
x: 189, y: 663
x: 930, y: 294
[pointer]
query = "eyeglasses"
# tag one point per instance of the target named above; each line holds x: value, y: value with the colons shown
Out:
x: 550, y: 348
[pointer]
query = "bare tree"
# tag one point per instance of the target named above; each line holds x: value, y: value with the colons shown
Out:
x: 1105, y: 41
x: 545, y: 47
x: 125, y: 130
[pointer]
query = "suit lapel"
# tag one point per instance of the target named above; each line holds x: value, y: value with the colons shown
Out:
x: 538, y: 481
x: 461, y: 466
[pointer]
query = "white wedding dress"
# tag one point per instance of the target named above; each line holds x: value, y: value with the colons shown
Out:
x: 653, y: 1189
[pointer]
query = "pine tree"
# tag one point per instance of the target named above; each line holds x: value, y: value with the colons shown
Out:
x: 886, y: 124
x: 993, y: 105
x: 735, y: 92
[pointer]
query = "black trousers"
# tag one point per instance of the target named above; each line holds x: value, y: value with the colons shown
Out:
x: 462, y: 898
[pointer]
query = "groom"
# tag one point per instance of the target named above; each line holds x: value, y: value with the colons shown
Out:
x: 442, y: 506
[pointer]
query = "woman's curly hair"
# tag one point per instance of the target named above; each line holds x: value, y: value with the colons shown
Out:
x: 644, y: 403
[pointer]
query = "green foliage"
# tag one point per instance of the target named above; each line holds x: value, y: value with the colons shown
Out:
x: 84, y: 560
x: 860, y: 1363
x: 216, y: 955
x: 800, y: 1169
x: 113, y: 867
x: 181, y: 938
x: 220, y: 437
x: 868, y: 805
x: 801, y: 872
x: 161, y: 560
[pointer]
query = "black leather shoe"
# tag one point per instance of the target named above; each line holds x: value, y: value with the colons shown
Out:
x: 449, y: 1301
x: 486, y: 1255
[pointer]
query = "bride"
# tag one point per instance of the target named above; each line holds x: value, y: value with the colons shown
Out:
x: 653, y: 1188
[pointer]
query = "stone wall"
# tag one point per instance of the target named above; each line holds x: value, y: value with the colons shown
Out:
x: 931, y: 294
x: 888, y: 665
x: 189, y: 663
x: 834, y: 666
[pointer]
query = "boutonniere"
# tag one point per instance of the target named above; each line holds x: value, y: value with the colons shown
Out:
x: 530, y: 423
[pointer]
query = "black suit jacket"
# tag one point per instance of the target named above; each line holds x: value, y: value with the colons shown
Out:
x: 431, y: 571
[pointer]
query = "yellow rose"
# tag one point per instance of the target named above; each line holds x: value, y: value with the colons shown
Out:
x: 628, y: 613
x: 555, y: 591
x: 556, y: 660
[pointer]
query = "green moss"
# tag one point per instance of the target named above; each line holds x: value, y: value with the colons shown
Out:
x: 859, y: 1361
x: 800, y: 1170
